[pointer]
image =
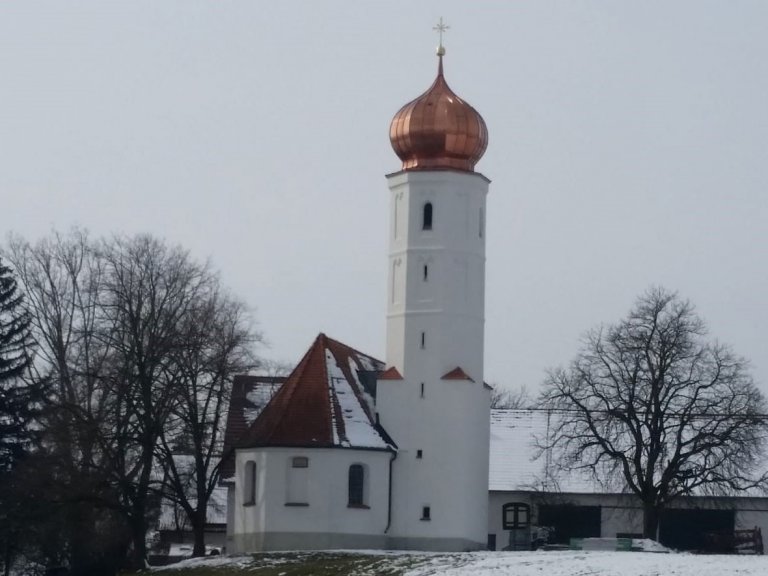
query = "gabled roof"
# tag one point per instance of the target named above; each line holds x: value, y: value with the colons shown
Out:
x: 457, y: 374
x: 250, y: 394
x: 327, y: 401
x: 390, y: 373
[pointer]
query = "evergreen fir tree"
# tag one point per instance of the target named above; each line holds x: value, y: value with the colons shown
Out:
x: 16, y: 404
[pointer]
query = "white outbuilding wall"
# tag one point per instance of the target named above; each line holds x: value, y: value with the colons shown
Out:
x: 621, y: 514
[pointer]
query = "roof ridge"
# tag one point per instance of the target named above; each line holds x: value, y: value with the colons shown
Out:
x: 355, y: 350
x: 290, y: 385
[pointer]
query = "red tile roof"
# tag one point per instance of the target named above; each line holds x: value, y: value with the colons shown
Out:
x: 250, y: 394
x: 327, y: 401
x: 457, y: 374
x: 390, y: 374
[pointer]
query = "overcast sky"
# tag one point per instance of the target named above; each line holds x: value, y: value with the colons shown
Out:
x: 628, y: 147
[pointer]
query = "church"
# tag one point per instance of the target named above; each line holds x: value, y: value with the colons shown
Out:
x: 353, y: 452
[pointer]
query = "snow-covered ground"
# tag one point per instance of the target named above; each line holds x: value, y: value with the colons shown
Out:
x: 542, y: 564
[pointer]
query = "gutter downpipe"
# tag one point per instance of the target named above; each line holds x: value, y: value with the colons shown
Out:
x: 389, y: 502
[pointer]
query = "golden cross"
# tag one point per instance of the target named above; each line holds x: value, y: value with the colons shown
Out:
x: 440, y: 28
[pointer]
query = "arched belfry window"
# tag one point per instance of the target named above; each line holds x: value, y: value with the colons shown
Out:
x: 356, y: 486
x: 426, y: 221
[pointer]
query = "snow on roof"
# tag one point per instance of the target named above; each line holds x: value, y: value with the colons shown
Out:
x: 515, y: 462
x: 325, y: 402
x: 351, y: 408
x: 250, y: 394
x: 257, y: 398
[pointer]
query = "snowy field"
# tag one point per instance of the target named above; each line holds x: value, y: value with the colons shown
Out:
x: 503, y: 563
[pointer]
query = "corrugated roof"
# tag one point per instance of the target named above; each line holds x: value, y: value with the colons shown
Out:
x: 515, y: 463
x: 323, y: 403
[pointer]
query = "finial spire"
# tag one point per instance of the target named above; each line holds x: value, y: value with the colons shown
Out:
x: 441, y: 28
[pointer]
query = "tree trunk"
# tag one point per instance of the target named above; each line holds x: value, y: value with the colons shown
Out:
x: 650, y: 520
x: 138, y: 556
x: 198, y: 530
x: 7, y: 556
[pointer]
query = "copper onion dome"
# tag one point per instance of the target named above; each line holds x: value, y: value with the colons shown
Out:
x: 438, y: 130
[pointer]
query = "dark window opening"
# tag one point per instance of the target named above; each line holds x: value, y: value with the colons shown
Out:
x: 568, y: 521
x: 516, y: 515
x: 426, y: 513
x: 696, y: 528
x: 426, y: 222
x: 249, y: 495
x: 419, y: 453
x: 356, y: 485
x: 300, y: 462
x: 422, y: 389
x: 423, y: 340
x: 426, y: 272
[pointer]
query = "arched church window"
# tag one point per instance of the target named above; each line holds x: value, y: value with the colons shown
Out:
x: 426, y: 221
x: 249, y: 484
x: 356, y: 486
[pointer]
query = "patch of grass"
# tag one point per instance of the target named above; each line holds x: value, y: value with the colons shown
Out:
x: 305, y: 564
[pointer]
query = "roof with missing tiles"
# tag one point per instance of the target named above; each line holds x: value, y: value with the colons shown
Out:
x: 327, y: 401
x: 250, y: 395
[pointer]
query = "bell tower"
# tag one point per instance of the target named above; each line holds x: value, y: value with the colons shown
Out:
x: 432, y: 399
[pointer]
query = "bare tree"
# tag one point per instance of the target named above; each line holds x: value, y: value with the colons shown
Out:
x: 62, y: 278
x: 150, y: 289
x: 510, y: 398
x: 137, y: 340
x: 216, y: 342
x: 650, y: 406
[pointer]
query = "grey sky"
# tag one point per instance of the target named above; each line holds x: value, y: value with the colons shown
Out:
x: 628, y: 147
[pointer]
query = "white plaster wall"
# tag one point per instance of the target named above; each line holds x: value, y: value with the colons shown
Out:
x: 450, y: 422
x: 327, y: 492
x: 751, y: 513
x: 449, y: 306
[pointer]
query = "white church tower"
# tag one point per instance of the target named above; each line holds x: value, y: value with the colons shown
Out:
x: 432, y: 400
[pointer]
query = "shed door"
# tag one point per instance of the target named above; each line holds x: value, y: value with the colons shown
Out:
x: 688, y: 529
x: 570, y: 521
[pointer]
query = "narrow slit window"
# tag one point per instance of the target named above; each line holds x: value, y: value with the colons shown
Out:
x: 482, y: 223
x: 423, y: 340
x: 426, y: 272
x: 426, y: 222
x: 422, y: 389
